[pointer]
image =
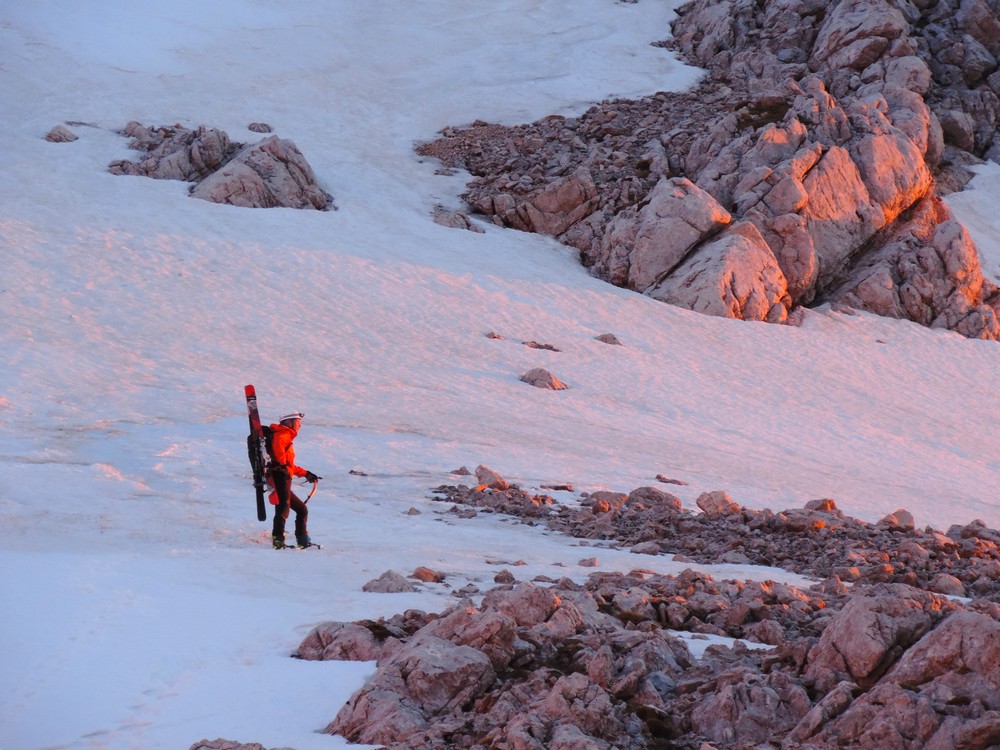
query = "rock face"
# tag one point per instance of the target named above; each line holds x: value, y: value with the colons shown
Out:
x: 593, y: 666
x: 824, y: 126
x: 269, y: 174
x: 495, y: 675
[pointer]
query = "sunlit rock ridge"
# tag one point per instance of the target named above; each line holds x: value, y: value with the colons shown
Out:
x: 806, y: 167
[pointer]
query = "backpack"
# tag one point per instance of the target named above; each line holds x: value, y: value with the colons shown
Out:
x: 269, y: 443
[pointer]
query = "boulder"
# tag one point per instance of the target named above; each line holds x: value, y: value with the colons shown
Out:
x: 955, y: 664
x: 856, y: 33
x: 542, y: 378
x: 491, y: 631
x: 340, y: 641
x: 900, y: 520
x: 175, y: 153
x: 653, y: 498
x: 946, y: 584
x: 746, y: 708
x: 869, y: 634
x: 389, y: 582
x: 734, y: 275
x: 428, y: 677
x: 718, y: 503
x: 527, y: 604
x: 643, y: 245
x: 269, y: 174
x: 551, y: 210
x: 928, y: 271
x: 605, y: 501
x: 608, y: 338
x: 486, y: 478
x: 60, y: 134
x: 455, y: 220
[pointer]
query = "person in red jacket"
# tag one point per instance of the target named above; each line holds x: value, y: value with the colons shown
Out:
x: 282, y: 470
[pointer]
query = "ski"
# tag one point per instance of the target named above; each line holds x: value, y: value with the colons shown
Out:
x: 256, y: 450
x: 296, y: 547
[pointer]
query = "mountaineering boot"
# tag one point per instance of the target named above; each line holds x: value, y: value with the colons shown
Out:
x: 303, y: 541
x: 278, y: 541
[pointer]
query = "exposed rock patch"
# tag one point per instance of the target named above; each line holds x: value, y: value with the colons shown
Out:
x: 819, y: 540
x: 820, y: 125
x: 595, y: 666
x: 269, y: 174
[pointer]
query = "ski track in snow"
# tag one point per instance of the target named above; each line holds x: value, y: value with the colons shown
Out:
x: 133, y: 315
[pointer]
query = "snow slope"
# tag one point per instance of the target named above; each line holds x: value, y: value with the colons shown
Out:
x: 143, y: 607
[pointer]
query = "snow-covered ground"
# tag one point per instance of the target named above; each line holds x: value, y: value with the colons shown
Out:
x: 142, y: 606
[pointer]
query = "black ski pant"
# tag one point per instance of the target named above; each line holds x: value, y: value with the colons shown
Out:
x: 288, y: 499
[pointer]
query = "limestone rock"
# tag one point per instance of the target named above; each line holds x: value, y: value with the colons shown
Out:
x: 542, y: 378
x: 946, y: 584
x: 428, y: 677
x: 340, y: 641
x: 717, y: 503
x: 60, y: 134
x: 176, y: 153
x: 856, y: 33
x: 908, y: 707
x: 733, y: 276
x: 642, y: 246
x: 389, y: 582
x: 747, y: 708
x: 272, y: 173
x: 487, y: 478
x: 927, y: 271
x: 821, y: 123
x: 901, y: 519
x: 269, y: 174
x: 551, y: 210
x: 455, y: 220
x: 605, y: 501
x: 869, y: 634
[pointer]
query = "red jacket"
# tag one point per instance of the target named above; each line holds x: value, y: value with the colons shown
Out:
x: 284, y: 452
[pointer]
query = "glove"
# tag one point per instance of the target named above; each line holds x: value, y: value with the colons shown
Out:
x: 310, y: 477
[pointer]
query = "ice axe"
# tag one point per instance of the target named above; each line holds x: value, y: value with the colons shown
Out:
x: 315, y: 484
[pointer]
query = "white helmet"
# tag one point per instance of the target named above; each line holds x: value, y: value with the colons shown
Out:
x: 290, y: 417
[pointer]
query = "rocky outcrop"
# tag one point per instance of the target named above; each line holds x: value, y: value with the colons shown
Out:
x: 175, y: 153
x: 928, y: 271
x: 822, y: 125
x: 562, y: 665
x: 269, y: 174
x: 817, y: 540
x: 733, y: 276
x: 943, y: 692
x: 609, y: 663
x: 646, y: 242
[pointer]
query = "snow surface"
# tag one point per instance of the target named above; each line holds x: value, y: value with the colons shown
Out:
x: 142, y: 606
